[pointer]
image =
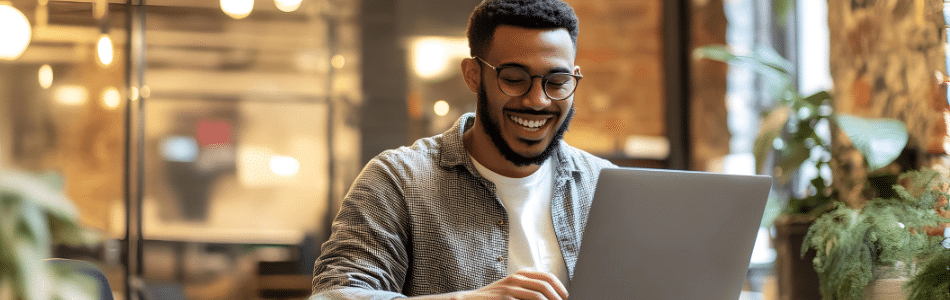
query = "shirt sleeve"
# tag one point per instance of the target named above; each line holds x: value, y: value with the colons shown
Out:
x: 366, y: 256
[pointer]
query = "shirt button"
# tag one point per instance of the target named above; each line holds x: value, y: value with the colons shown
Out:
x: 501, y: 258
x: 501, y: 223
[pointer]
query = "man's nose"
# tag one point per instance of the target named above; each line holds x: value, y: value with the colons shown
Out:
x: 535, y: 98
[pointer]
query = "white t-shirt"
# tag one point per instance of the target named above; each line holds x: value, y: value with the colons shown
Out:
x: 532, y: 242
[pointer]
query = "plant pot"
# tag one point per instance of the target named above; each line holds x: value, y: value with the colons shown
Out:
x: 886, y: 289
x: 888, y: 283
x: 796, y: 276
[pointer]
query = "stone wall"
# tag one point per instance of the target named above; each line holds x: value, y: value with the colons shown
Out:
x: 884, y: 57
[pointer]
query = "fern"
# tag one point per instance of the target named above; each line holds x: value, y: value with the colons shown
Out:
x: 851, y: 242
x: 933, y: 280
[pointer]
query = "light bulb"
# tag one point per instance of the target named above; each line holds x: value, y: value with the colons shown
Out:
x: 338, y: 61
x: 441, y: 108
x: 111, y: 97
x: 46, y: 76
x: 237, y: 9
x: 287, y: 5
x: 15, y: 33
x: 104, y: 49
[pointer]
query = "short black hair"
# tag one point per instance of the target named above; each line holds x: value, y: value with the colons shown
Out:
x: 534, y: 14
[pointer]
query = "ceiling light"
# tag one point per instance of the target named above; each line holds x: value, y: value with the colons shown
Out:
x: 441, y: 108
x: 237, y: 9
x: 104, y: 49
x: 46, y: 76
x: 111, y: 97
x: 15, y: 33
x: 287, y: 5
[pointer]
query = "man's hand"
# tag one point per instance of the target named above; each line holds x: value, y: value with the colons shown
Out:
x: 522, y: 285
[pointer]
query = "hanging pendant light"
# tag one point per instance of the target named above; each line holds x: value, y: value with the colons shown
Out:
x: 15, y: 33
x: 237, y: 9
x: 287, y: 5
x: 104, y: 50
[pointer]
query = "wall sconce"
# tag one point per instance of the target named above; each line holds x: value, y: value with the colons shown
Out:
x: 15, y: 36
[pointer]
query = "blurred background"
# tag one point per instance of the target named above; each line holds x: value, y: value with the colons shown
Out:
x: 210, y: 142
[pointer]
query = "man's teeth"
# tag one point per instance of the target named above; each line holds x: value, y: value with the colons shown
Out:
x: 529, y: 124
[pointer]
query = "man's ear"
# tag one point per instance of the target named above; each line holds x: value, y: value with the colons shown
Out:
x: 577, y: 70
x: 472, y: 73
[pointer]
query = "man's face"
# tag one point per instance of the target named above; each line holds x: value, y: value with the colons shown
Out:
x: 526, y: 129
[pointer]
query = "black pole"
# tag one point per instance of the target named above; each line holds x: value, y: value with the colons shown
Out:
x: 676, y: 49
x: 134, y: 145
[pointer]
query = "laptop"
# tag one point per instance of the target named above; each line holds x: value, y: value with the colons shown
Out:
x: 662, y: 234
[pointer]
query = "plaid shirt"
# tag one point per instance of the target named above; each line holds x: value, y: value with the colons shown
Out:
x: 420, y: 220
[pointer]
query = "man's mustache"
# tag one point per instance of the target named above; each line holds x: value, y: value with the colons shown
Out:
x: 531, y: 112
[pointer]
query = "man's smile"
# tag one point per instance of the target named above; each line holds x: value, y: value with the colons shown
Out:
x: 530, y: 121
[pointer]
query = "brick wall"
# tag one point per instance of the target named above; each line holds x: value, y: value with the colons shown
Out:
x: 884, y: 57
x: 621, y: 56
x: 619, y: 51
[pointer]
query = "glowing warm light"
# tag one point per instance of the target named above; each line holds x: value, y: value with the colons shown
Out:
x: 338, y: 61
x: 284, y: 165
x: 71, y: 95
x: 46, y: 76
x: 432, y: 56
x: 14, y: 32
x: 146, y: 92
x: 652, y: 147
x: 441, y: 108
x: 133, y: 93
x: 237, y: 9
x: 287, y: 5
x: 104, y: 49
x: 111, y: 97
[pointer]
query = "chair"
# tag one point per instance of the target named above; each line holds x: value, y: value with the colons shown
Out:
x: 91, y: 270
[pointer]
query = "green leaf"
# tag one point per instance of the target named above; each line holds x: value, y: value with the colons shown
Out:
x: 817, y: 99
x: 769, y: 130
x: 782, y: 8
x: 797, y: 155
x: 38, y: 227
x: 34, y: 277
x: 881, y: 141
x: 714, y: 52
x: 32, y: 188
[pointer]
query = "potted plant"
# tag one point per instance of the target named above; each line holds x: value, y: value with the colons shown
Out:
x: 871, y: 251
x: 790, y: 137
x: 35, y: 215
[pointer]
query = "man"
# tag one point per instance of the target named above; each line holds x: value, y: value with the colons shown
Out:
x: 495, y: 207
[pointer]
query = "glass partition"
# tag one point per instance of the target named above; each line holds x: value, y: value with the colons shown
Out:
x: 62, y: 109
x: 213, y: 129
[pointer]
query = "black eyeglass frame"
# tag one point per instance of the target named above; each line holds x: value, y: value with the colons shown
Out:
x: 544, y: 80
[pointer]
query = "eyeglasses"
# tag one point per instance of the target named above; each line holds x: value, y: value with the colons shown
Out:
x: 516, y: 82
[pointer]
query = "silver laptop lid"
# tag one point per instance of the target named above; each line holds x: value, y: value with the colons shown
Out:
x: 661, y: 234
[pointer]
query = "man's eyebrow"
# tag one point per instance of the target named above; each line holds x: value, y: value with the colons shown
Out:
x: 517, y: 65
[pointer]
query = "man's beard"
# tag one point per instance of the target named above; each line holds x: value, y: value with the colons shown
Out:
x: 493, y: 129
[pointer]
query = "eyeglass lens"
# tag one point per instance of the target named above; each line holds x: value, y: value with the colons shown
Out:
x: 517, y: 82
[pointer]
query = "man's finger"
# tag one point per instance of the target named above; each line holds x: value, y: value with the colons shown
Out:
x: 525, y: 293
x: 549, y: 278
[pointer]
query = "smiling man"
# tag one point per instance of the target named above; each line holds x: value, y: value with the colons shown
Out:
x: 495, y: 207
